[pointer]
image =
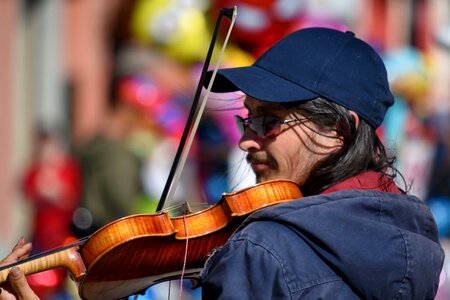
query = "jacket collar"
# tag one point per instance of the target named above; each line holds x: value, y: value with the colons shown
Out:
x: 369, y: 180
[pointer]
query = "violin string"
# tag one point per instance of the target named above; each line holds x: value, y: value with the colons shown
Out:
x: 180, y: 208
x: 185, y: 257
x: 45, y: 253
x: 173, y: 208
x: 55, y: 249
x: 169, y: 290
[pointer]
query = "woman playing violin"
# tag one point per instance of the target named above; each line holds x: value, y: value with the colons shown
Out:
x: 315, y: 100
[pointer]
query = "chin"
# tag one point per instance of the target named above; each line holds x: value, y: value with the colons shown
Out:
x: 268, y: 177
x: 263, y: 178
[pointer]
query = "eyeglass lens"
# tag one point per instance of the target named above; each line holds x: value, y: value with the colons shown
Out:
x: 264, y: 126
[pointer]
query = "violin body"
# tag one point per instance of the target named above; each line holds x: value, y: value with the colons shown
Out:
x: 140, y: 260
x: 127, y: 256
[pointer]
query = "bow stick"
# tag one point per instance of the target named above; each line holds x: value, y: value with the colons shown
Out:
x: 194, y: 114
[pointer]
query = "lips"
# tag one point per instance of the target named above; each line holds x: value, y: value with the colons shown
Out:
x: 258, y: 162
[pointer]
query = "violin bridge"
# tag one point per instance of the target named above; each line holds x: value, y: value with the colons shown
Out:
x: 186, y: 208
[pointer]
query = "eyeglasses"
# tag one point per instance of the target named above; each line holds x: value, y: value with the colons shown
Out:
x: 263, y: 126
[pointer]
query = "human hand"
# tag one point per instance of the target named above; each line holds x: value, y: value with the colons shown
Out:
x: 18, y: 288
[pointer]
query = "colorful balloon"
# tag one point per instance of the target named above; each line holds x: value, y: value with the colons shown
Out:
x: 179, y: 28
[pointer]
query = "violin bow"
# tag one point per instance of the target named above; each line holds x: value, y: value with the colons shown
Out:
x: 196, y: 113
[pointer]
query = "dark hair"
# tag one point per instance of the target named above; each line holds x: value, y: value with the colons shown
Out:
x: 362, y: 150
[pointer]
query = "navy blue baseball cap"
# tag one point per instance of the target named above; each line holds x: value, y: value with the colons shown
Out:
x: 315, y: 62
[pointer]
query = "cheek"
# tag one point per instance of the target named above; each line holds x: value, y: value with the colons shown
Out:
x: 299, y: 158
x: 300, y: 165
x: 289, y: 160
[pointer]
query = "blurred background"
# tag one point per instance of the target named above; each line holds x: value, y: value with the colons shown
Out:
x: 95, y: 94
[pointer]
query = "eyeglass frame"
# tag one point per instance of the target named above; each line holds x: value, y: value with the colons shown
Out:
x: 244, y: 123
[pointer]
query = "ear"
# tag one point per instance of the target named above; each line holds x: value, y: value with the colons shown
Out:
x: 355, y: 118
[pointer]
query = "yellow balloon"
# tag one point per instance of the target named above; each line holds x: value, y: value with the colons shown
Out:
x: 191, y: 39
x: 181, y: 31
x: 143, y: 13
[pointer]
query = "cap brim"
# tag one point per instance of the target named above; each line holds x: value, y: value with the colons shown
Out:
x: 259, y: 84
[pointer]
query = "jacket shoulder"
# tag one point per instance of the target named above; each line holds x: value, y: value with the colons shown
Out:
x: 275, y: 260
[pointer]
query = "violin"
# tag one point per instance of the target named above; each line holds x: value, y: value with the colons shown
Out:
x: 133, y: 253
x: 127, y: 256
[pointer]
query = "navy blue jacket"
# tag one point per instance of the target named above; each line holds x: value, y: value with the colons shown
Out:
x: 350, y: 244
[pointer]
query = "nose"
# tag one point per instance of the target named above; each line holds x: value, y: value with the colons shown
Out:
x: 250, y: 141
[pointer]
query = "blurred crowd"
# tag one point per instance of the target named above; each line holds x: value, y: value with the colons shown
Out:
x: 75, y: 188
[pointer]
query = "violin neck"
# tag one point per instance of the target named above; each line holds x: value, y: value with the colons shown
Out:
x: 68, y: 259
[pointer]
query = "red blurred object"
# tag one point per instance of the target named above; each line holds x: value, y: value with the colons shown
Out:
x: 144, y: 94
x: 53, y: 184
x: 261, y: 22
x: 47, y: 283
x: 141, y: 92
